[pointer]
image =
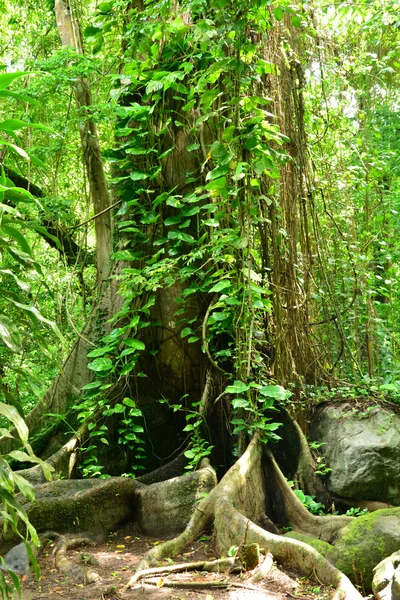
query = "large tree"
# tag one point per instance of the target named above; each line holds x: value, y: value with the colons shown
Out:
x: 214, y: 302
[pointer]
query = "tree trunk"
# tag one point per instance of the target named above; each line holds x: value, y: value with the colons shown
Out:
x: 70, y: 36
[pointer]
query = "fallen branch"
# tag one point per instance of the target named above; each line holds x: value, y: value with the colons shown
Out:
x: 203, y: 585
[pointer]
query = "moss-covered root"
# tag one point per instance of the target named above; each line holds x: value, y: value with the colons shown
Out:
x: 231, y: 527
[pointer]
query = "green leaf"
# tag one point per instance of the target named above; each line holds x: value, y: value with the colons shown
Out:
x: 186, y: 331
x: 24, y: 486
x: 10, y: 334
x: 154, y: 86
x: 296, y: 21
x: 32, y: 559
x: 17, y: 236
x: 105, y: 7
x: 100, y: 352
x: 7, y: 78
x: 173, y: 220
x: 20, y: 97
x: 100, y: 365
x: 137, y: 428
x: 127, y: 352
x: 240, y: 403
x: 13, y: 125
x: 278, y: 13
x: 218, y: 316
x: 135, y: 344
x: 92, y: 385
x: 238, y: 421
x: 238, y: 387
x: 134, y: 321
x: 25, y: 287
x: 129, y: 402
x: 137, y: 175
x: 91, y: 31
x: 40, y: 317
x: 220, y: 286
x: 11, y: 413
x: 274, y: 391
x: 217, y: 172
x: 17, y: 149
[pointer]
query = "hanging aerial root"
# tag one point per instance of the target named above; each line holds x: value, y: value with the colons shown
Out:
x: 231, y: 526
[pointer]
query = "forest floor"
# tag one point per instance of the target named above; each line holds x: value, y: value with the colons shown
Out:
x: 115, y: 559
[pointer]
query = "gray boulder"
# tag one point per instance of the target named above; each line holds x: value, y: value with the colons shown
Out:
x: 362, y: 447
x: 365, y: 542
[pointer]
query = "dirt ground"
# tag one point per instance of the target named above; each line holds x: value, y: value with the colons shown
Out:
x: 115, y: 559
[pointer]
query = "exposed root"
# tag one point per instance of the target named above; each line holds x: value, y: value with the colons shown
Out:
x: 310, y: 483
x: 63, y: 461
x: 213, y: 566
x: 262, y: 570
x: 326, y: 529
x: 197, y: 524
x: 236, y: 505
x: 81, y: 573
x: 285, y: 550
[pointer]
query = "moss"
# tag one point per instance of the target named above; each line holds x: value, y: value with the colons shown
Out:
x: 365, y: 542
x: 322, y: 547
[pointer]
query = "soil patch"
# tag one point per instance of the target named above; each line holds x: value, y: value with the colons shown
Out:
x: 115, y: 559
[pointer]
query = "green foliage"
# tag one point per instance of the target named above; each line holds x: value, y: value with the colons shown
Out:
x: 356, y: 512
x: 316, y: 508
x: 96, y: 408
x: 12, y: 511
x: 249, y: 405
x: 17, y: 315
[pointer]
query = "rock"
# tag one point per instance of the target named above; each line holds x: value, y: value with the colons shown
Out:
x: 385, y: 583
x: 365, y: 542
x: 322, y: 547
x: 17, y: 559
x: 396, y: 584
x: 362, y: 447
